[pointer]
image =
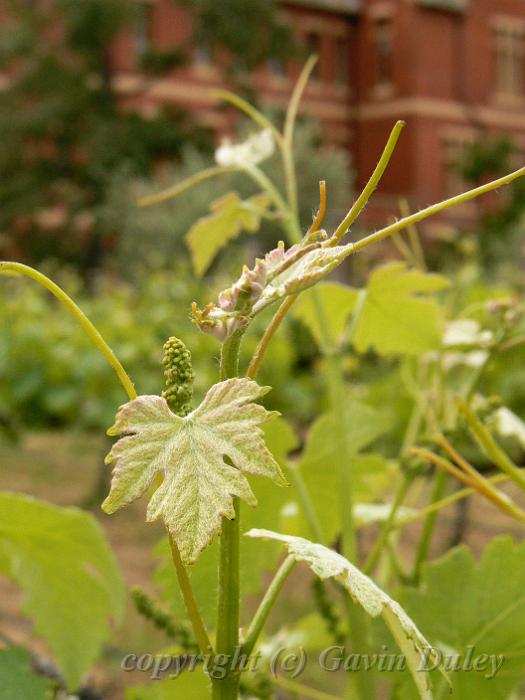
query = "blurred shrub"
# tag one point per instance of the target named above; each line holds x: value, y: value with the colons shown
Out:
x: 154, y: 236
x: 52, y: 376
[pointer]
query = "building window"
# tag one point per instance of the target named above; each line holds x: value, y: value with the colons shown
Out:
x: 277, y: 68
x: 144, y: 28
x: 201, y: 56
x: 341, y: 61
x: 313, y: 46
x: 510, y: 60
x: 383, y: 51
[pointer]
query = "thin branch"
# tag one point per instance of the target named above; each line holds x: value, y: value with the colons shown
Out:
x: 365, y: 195
x: 197, y: 623
x: 71, y: 306
x: 319, y: 218
x: 435, y: 209
x: 267, y: 603
x: 270, y: 331
x: 180, y: 187
x: 249, y: 110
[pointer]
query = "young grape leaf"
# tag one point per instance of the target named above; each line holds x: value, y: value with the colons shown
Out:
x: 189, y: 453
x: 19, y: 680
x: 398, y: 317
x: 325, y: 446
x: 326, y: 563
x: 280, y: 440
x: 336, y: 297
x: 463, y: 604
x: 304, y: 273
x: 63, y: 563
x: 229, y: 216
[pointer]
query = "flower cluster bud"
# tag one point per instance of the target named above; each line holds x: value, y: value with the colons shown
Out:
x: 179, y: 376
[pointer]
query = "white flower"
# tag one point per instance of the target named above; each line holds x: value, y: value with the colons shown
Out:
x: 254, y: 150
x: 509, y: 424
x: 466, y: 332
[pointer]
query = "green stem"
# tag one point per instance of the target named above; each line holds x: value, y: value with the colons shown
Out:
x: 491, y: 447
x: 185, y: 185
x: 387, y: 527
x: 65, y: 299
x: 440, y: 483
x: 189, y: 600
x: 306, y: 503
x: 228, y: 603
x: 445, y: 502
x: 288, y: 133
x: 435, y: 209
x: 244, y: 106
x: 266, y: 605
x: 365, y: 195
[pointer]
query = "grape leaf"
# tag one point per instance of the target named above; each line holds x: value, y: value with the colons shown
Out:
x: 398, y: 317
x: 229, y: 217
x: 62, y: 561
x: 280, y: 440
x: 19, y: 681
x: 325, y: 447
x: 304, y: 273
x: 326, y: 563
x: 340, y: 301
x: 189, y: 452
x: 464, y: 603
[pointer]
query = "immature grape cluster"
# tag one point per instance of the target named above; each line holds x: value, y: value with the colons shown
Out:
x: 178, y: 372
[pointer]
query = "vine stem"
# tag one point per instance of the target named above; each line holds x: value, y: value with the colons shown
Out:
x: 228, y: 603
x: 181, y: 187
x: 387, y: 527
x: 268, y: 334
x: 76, y: 311
x: 288, y: 134
x: 261, y: 615
x: 372, y: 184
x: 435, y: 209
x: 199, y: 629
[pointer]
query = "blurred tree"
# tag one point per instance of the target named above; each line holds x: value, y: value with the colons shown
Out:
x: 69, y: 141
x: 250, y: 31
x: 501, y: 226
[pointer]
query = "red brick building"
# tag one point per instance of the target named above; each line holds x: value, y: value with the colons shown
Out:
x: 453, y: 69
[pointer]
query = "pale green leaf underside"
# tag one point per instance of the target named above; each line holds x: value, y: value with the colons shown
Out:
x: 229, y: 216
x: 398, y: 317
x: 198, y: 484
x: 62, y: 561
x: 254, y: 561
x: 303, y: 274
x: 326, y: 563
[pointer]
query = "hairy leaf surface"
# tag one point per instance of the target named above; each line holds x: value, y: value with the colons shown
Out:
x: 280, y: 440
x: 63, y: 563
x: 190, y: 454
x: 229, y: 217
x: 304, y: 273
x: 398, y: 315
x: 326, y: 563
